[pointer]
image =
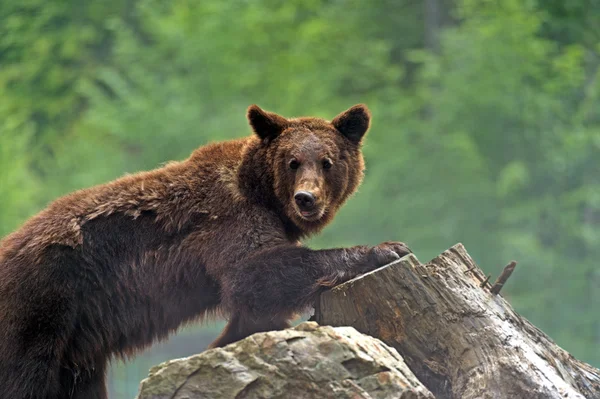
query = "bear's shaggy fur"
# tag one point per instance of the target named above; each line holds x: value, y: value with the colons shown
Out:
x: 108, y: 270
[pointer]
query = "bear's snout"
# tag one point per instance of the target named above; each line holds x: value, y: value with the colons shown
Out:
x: 306, y: 201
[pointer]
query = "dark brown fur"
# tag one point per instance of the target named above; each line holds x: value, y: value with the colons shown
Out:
x: 108, y: 270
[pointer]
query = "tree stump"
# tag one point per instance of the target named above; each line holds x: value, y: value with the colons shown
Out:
x: 458, y: 338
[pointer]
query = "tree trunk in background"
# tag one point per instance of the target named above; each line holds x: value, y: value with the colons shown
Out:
x: 460, y: 340
x: 433, y: 24
x: 433, y: 12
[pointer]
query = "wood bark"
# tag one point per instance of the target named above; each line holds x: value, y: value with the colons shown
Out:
x: 459, y: 339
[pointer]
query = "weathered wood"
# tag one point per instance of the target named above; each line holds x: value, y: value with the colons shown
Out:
x: 460, y: 340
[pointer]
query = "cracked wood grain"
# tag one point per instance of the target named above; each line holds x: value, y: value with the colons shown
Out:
x: 460, y: 340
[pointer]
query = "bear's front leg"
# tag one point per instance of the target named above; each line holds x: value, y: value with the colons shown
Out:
x: 263, y: 291
x: 242, y: 325
x: 358, y: 260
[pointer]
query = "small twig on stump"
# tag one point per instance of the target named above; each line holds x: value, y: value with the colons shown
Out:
x: 484, y: 282
x: 503, y: 277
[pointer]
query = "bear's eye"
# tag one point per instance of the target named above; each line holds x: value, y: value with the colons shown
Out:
x: 294, y: 164
x: 327, y: 164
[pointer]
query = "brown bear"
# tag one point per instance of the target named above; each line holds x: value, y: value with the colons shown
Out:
x: 108, y: 270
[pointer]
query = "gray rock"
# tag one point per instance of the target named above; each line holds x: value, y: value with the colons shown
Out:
x: 308, y: 361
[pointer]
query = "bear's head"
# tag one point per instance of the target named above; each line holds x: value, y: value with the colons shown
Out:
x: 312, y: 164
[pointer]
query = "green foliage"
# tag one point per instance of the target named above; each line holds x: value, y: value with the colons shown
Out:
x: 490, y: 136
x: 18, y: 185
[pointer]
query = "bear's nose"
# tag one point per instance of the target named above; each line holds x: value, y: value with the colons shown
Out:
x: 304, y: 200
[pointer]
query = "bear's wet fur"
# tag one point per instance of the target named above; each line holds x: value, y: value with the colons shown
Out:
x: 106, y: 271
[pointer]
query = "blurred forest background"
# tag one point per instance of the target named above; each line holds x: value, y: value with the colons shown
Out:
x: 486, y: 124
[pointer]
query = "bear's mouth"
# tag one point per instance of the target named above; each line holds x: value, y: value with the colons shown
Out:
x: 310, y: 215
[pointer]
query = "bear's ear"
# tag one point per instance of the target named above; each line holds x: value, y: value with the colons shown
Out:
x: 266, y: 125
x: 353, y: 123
